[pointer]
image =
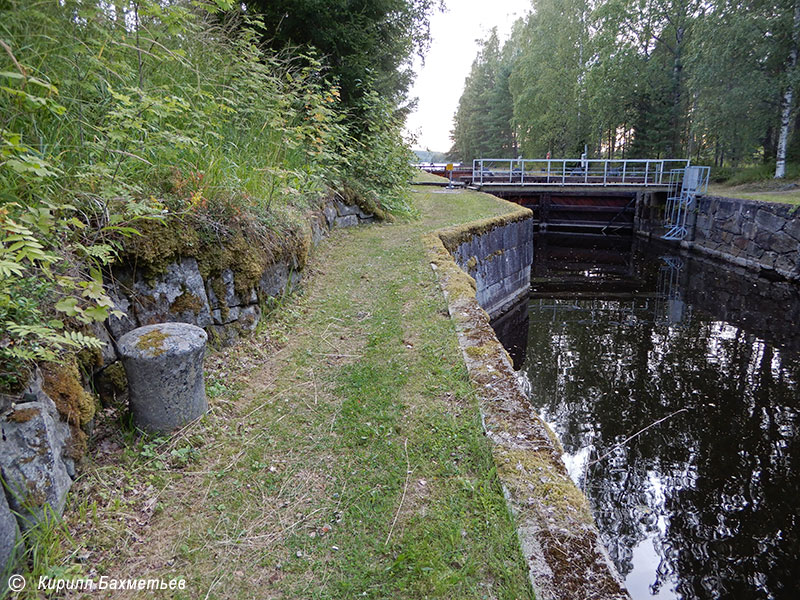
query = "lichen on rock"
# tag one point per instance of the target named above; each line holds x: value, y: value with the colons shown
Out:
x: 152, y: 342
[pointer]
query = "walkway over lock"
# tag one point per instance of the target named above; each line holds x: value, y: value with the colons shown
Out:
x: 636, y: 173
x: 587, y: 195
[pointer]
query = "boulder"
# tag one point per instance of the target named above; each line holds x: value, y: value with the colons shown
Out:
x: 9, y: 539
x: 346, y: 221
x: 33, y: 456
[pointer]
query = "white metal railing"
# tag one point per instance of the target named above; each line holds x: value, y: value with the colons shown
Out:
x: 591, y: 172
x: 685, y: 185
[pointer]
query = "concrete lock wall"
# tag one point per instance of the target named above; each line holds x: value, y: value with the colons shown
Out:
x: 483, y: 267
x: 760, y: 236
x: 499, y: 258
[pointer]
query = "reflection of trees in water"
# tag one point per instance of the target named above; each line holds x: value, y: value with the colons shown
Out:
x: 717, y: 487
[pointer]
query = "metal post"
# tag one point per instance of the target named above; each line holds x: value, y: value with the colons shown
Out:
x: 563, y: 171
x: 646, y: 169
x: 548, y: 170
x: 605, y: 172
x: 624, y: 168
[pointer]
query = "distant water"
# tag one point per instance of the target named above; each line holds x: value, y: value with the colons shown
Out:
x: 617, y: 336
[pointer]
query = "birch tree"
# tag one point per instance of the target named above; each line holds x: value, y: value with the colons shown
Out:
x: 787, y: 103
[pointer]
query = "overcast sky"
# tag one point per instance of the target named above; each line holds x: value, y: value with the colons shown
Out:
x: 440, y: 81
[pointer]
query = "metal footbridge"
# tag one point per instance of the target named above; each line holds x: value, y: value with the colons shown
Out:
x: 587, y: 195
x: 633, y: 173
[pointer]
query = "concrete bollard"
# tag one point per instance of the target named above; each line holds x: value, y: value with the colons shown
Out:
x: 164, y: 365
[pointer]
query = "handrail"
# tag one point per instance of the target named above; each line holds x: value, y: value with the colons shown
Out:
x: 639, y: 172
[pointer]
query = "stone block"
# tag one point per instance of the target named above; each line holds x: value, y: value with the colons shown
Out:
x: 225, y: 284
x: 330, y: 214
x: 703, y: 222
x: 782, y: 243
x: 249, y: 317
x: 787, y: 263
x: 319, y: 228
x: 33, y: 461
x: 345, y: 210
x: 768, y: 259
x: 732, y: 225
x: 511, y: 235
x: 177, y: 295
x: 224, y: 335
x: 164, y: 365
x: 769, y: 221
x: 792, y: 227
x: 528, y: 258
x: 724, y: 208
x: 346, y: 221
x: 274, y: 279
x: 9, y: 539
x: 228, y: 316
x: 754, y: 251
x: 119, y: 326
x: 108, y: 353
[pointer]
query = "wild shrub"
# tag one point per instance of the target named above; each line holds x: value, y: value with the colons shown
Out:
x: 116, y: 112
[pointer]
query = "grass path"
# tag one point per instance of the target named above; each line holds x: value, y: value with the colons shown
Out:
x: 343, y: 456
x: 784, y: 192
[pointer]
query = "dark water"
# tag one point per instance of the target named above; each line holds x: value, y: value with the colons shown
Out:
x: 706, y: 503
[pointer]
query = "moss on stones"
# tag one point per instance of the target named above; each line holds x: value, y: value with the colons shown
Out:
x: 187, y: 302
x: 536, y: 475
x: 115, y: 373
x: 453, y: 237
x: 152, y: 342
x: 62, y: 382
x: 23, y: 415
x: 478, y: 351
x: 77, y: 444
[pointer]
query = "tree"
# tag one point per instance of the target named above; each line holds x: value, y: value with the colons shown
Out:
x: 367, y: 44
x: 482, y: 123
x: 788, y: 100
x: 733, y: 74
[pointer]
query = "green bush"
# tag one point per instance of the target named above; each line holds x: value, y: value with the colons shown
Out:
x: 754, y: 173
x: 118, y: 112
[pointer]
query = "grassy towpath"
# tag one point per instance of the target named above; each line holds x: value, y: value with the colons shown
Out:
x: 784, y: 192
x: 343, y: 456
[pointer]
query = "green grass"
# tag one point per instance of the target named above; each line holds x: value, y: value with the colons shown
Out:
x: 762, y: 192
x: 343, y: 456
x: 757, y: 182
x: 425, y: 177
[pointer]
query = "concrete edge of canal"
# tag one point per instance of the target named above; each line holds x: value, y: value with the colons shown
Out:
x: 487, y: 264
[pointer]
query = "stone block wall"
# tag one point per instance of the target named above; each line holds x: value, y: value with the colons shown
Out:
x: 764, y: 236
x: 499, y: 258
x: 761, y: 236
x: 555, y: 529
x: 182, y: 294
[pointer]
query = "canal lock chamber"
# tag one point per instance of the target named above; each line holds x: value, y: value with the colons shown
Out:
x: 671, y: 380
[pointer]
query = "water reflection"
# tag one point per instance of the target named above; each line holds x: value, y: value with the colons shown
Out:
x: 705, y: 503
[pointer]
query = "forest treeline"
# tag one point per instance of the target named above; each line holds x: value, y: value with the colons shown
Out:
x: 224, y: 116
x: 711, y: 80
